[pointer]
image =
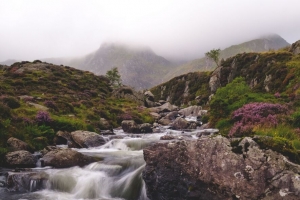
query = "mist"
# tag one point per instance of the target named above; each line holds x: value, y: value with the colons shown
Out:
x: 178, y: 30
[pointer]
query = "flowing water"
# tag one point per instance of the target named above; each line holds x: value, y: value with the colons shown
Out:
x: 117, y: 176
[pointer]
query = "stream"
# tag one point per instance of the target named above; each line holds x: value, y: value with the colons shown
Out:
x: 118, y: 176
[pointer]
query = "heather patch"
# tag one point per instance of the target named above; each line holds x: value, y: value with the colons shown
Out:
x: 255, y: 114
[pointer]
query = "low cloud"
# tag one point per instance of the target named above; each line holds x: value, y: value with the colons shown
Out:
x: 174, y: 29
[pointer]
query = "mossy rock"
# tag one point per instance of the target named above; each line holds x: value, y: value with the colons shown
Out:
x: 280, y: 145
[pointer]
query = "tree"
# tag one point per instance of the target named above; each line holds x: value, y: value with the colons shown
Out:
x: 214, y: 55
x: 114, y: 77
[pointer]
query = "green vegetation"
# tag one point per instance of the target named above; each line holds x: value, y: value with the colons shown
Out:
x: 38, y: 99
x: 257, y: 45
x: 214, y: 55
x: 114, y: 77
x: 259, y: 95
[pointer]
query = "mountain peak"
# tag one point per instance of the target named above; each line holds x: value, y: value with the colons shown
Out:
x: 125, y: 46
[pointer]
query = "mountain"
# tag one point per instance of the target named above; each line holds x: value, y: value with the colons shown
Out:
x: 8, y: 62
x: 139, y: 67
x: 267, y: 43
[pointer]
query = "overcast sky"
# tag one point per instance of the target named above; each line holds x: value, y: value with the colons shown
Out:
x: 34, y: 29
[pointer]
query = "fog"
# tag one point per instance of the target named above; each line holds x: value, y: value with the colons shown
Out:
x: 36, y: 29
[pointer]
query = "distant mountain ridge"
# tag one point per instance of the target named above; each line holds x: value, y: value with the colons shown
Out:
x: 142, y: 68
x: 266, y: 43
x: 139, y: 67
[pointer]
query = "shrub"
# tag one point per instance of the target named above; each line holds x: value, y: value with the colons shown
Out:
x: 296, y: 119
x: 11, y: 102
x: 43, y: 117
x: 4, y: 111
x: 50, y: 104
x: 255, y: 114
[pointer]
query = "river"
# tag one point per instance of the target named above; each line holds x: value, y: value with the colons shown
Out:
x: 117, y: 176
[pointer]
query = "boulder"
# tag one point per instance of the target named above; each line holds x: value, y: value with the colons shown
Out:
x: 63, y: 158
x: 20, y: 158
x: 146, y: 128
x: 180, y: 123
x: 149, y: 96
x: 168, y: 118
x: 107, y: 132
x: 64, y: 137
x: 86, y: 139
x: 49, y: 148
x: 167, y: 137
x: 191, y: 111
x: 207, y: 168
x: 155, y: 115
x: 167, y: 107
x: 16, y: 144
x: 207, y: 132
x: 129, y: 126
x: 26, y: 181
x: 164, y: 121
x: 295, y: 48
x: 105, y: 123
x: 149, y: 103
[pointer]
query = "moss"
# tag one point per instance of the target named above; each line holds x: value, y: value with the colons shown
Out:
x: 281, y: 145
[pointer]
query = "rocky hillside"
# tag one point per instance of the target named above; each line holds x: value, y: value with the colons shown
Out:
x: 272, y: 42
x: 251, y: 93
x: 38, y: 99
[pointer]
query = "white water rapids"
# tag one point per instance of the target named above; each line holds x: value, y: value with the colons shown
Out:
x: 118, y: 176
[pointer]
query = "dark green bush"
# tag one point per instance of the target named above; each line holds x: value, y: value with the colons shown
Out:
x: 5, y: 111
x: 11, y: 102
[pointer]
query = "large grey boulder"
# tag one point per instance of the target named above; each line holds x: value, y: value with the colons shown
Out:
x: 16, y: 144
x: 63, y: 158
x: 87, y: 139
x: 26, y: 181
x: 146, y: 128
x: 166, y: 120
x: 192, y: 111
x: 149, y: 95
x: 180, y: 124
x: 20, y: 158
x: 208, y: 168
x: 295, y: 48
x: 167, y: 107
x: 130, y: 126
x: 64, y: 137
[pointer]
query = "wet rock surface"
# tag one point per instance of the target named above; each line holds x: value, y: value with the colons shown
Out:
x: 16, y: 144
x: 207, y: 168
x: 63, y: 158
x: 87, y: 139
x: 20, y: 159
x: 26, y: 181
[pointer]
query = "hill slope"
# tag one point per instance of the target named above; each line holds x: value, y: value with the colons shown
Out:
x: 272, y: 42
x: 38, y: 99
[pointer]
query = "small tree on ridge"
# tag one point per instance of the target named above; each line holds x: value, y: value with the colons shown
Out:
x: 214, y: 55
x: 114, y: 77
